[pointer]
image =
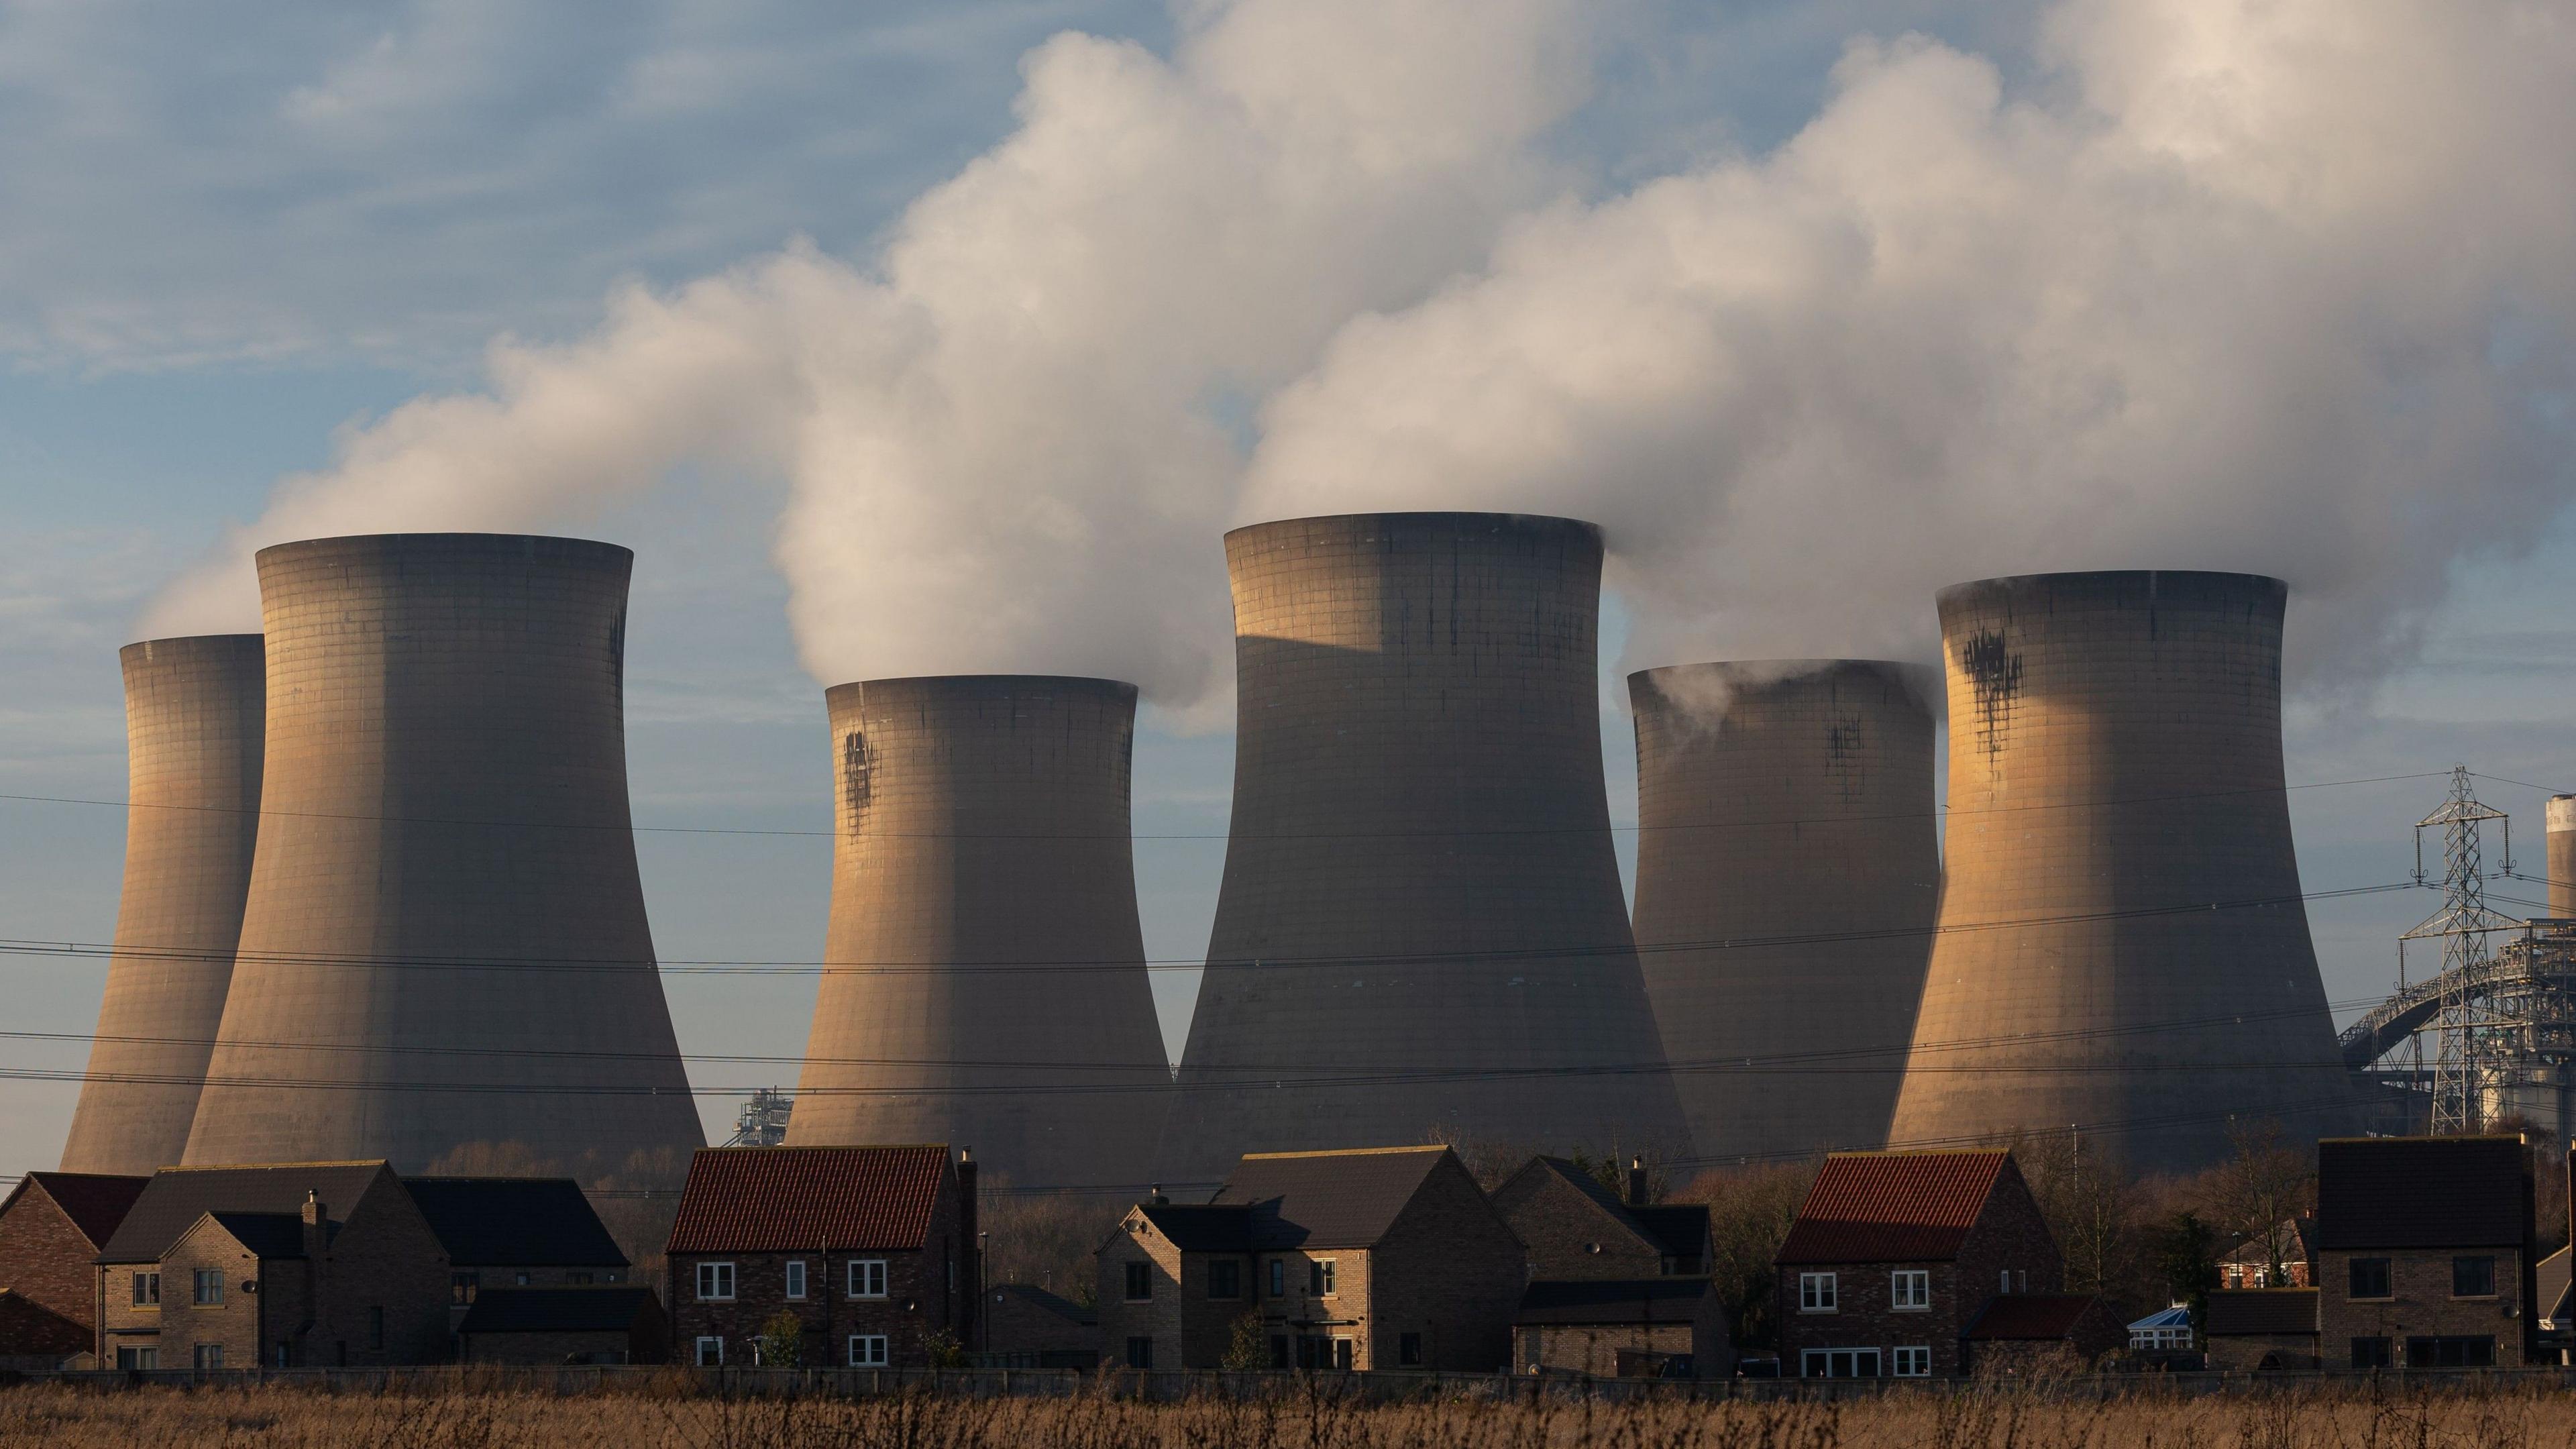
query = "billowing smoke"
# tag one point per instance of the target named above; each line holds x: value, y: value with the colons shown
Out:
x: 2286, y: 287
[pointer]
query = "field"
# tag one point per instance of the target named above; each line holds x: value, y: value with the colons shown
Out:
x: 2288, y: 1416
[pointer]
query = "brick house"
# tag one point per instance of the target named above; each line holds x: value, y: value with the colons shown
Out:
x: 290, y: 1264
x: 1894, y: 1254
x: 1671, y: 1327
x: 1372, y: 1258
x: 872, y: 1249
x: 1574, y: 1227
x: 515, y: 1232
x: 52, y: 1225
x: 1025, y: 1326
x: 2035, y: 1335
x: 565, y: 1324
x: 2249, y: 1264
x: 1617, y: 1284
x: 2424, y: 1253
x: 2261, y: 1328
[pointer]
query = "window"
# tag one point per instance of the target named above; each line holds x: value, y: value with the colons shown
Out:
x: 2473, y: 1277
x: 1279, y: 1354
x: 461, y: 1287
x: 2450, y: 1352
x: 1278, y: 1277
x: 1914, y: 1361
x: 131, y: 1357
x: 867, y: 1277
x: 715, y: 1284
x: 2370, y: 1278
x: 210, y: 1285
x: 1408, y: 1350
x: 2370, y: 1353
x: 1140, y: 1282
x: 210, y: 1357
x: 1320, y: 1277
x: 1817, y: 1293
x: 1342, y: 1354
x: 147, y: 1293
x: 867, y: 1350
x: 1140, y: 1353
x: 1225, y: 1279
x: 375, y: 1328
x: 1909, y: 1290
x: 1838, y: 1363
x: 795, y: 1277
x: 522, y: 1277
x: 578, y: 1280
x: 710, y: 1350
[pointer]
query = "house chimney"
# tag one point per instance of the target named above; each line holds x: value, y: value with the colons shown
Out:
x: 316, y: 1214
x: 1636, y: 1182
x: 1154, y: 1197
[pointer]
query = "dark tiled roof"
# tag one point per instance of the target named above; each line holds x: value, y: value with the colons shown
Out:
x: 177, y: 1196
x: 1039, y: 1298
x: 2261, y: 1310
x: 1328, y: 1199
x: 268, y: 1235
x: 514, y: 1221
x: 779, y: 1199
x: 2419, y: 1192
x: 95, y: 1201
x: 606, y: 1309
x: 1202, y: 1227
x: 1893, y: 1207
x: 1681, y: 1228
x: 1613, y: 1300
x: 2022, y: 1316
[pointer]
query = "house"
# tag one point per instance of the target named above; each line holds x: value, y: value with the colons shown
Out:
x: 2166, y: 1331
x: 2250, y: 1265
x: 1370, y: 1258
x: 1623, y: 1327
x: 2262, y: 1328
x: 1574, y: 1227
x: 52, y: 1225
x: 1613, y: 1278
x: 1894, y: 1254
x: 1025, y: 1326
x: 870, y: 1249
x: 2424, y: 1253
x: 286, y: 1264
x: 565, y: 1324
x: 2031, y: 1335
x: 514, y: 1232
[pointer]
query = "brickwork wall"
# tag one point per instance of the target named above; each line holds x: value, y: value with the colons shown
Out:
x: 2422, y: 1305
x: 1592, y: 1348
x: 1865, y: 1315
x: 1561, y: 1226
x: 235, y: 1323
x: 2243, y: 1351
x: 933, y: 1279
x: 1451, y: 1269
x: 1163, y: 1317
x: 44, y: 1257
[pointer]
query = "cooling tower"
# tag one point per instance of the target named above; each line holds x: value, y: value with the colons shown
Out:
x: 1420, y: 923
x: 2562, y: 856
x: 2122, y: 948
x: 986, y: 980
x: 444, y: 960
x: 1788, y: 870
x: 192, y: 743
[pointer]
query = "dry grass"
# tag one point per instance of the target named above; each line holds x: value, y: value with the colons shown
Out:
x: 2293, y: 1417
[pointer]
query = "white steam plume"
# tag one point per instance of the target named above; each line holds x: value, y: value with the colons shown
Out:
x: 2285, y: 287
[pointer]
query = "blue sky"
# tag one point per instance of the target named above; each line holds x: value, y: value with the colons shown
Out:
x: 231, y: 241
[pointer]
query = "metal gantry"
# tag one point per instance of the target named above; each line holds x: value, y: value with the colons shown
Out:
x: 2462, y: 925
x: 763, y: 1122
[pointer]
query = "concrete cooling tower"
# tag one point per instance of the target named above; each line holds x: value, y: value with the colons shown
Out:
x: 2122, y: 946
x: 1420, y: 923
x: 192, y: 750
x: 986, y: 980
x: 1788, y: 870
x: 444, y: 960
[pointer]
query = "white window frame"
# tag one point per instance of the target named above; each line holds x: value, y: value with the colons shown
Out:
x: 866, y: 1277
x: 1909, y: 1290
x: 1819, y: 1293
x: 716, y: 1282
x: 796, y: 1279
x: 708, y: 1341
x: 1325, y: 1272
x: 1818, y: 1363
x: 869, y: 1350
x: 1913, y: 1361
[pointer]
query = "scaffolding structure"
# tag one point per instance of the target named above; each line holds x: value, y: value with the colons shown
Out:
x: 763, y: 1122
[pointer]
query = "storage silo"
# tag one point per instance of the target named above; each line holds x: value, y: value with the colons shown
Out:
x: 2122, y: 946
x: 984, y: 972
x: 1788, y: 870
x: 193, y: 729
x: 1420, y: 925
x: 444, y: 960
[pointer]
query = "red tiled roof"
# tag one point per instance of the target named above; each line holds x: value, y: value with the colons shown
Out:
x: 1893, y: 1207
x: 2030, y: 1316
x: 95, y: 1202
x: 779, y: 1199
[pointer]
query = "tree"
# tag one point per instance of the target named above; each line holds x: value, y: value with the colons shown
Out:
x: 1248, y: 1349
x: 1749, y: 1214
x: 944, y: 1350
x: 2091, y: 1207
x: 781, y: 1341
x: 2186, y: 1258
x: 2260, y: 1191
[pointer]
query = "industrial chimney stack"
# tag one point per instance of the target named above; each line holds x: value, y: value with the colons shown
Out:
x: 1420, y: 924
x: 1788, y: 871
x: 2123, y: 949
x: 985, y: 978
x: 2562, y: 856
x: 193, y: 731
x: 444, y: 960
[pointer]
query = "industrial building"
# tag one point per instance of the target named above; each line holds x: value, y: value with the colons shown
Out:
x: 2122, y: 948
x: 1788, y: 871
x: 985, y: 980
x: 1420, y: 925
x: 444, y: 959
x: 193, y: 728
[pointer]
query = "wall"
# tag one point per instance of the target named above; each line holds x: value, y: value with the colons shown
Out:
x: 2422, y: 1305
x: 1560, y: 1224
x: 1452, y: 1269
x: 44, y: 1257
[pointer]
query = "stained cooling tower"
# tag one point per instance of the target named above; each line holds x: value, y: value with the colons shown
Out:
x: 2561, y: 821
x: 444, y: 960
x: 1788, y: 869
x: 2122, y: 947
x: 1420, y: 924
x: 192, y: 747
x: 986, y: 980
